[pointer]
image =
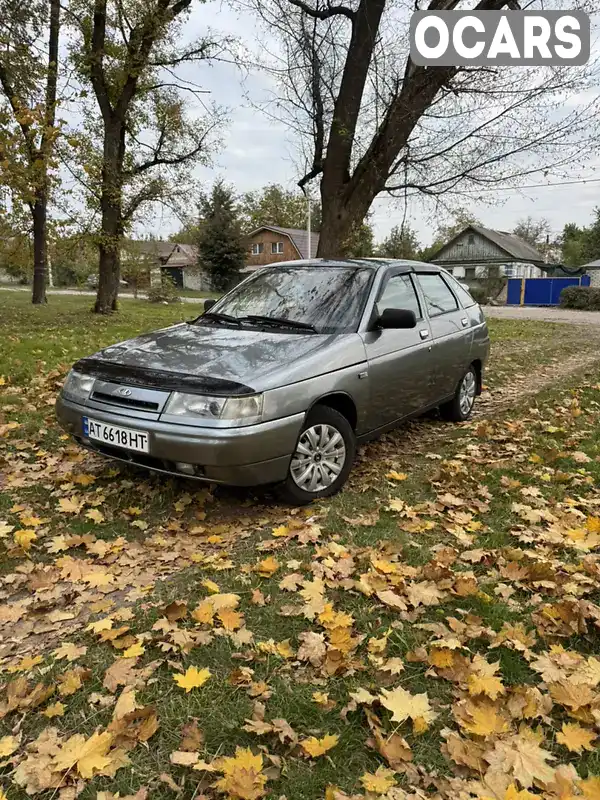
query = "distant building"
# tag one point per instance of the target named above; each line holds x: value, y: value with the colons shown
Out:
x: 179, y: 261
x: 476, y: 254
x: 270, y: 244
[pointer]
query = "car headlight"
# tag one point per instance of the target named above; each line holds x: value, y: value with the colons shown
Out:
x: 78, y: 386
x: 246, y: 409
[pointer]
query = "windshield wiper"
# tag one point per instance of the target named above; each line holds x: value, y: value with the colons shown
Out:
x: 215, y: 316
x: 280, y: 322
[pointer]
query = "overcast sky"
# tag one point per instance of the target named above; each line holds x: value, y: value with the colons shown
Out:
x: 258, y: 150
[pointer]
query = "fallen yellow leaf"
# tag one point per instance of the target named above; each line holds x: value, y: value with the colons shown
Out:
x: 193, y: 678
x: 317, y: 747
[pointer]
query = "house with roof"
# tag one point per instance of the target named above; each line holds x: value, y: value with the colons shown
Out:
x: 155, y: 258
x: 271, y: 244
x: 592, y: 268
x: 477, y: 254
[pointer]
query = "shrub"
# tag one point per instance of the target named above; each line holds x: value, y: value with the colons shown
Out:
x: 166, y: 292
x: 479, y: 294
x: 580, y: 297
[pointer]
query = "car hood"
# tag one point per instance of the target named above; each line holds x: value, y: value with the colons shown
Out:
x: 207, y: 358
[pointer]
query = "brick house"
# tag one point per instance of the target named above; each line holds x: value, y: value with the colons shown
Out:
x: 270, y: 244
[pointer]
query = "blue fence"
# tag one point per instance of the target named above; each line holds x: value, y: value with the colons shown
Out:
x: 540, y: 291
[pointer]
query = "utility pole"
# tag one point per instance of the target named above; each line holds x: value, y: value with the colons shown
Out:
x: 308, y: 225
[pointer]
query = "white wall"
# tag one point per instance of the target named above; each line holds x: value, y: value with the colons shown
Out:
x: 594, y: 277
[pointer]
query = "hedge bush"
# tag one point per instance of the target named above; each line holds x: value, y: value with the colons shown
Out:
x: 166, y: 292
x: 585, y: 298
x: 479, y: 294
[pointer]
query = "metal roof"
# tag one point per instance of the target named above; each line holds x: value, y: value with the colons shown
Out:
x: 511, y: 244
x: 591, y: 265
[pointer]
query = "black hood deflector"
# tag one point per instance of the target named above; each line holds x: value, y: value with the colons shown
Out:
x: 160, y: 379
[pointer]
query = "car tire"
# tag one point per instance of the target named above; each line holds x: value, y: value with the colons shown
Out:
x: 323, y: 457
x: 460, y: 407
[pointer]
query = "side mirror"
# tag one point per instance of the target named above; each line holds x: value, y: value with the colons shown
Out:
x: 208, y: 304
x: 398, y: 318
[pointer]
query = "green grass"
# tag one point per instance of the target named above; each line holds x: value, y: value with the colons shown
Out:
x: 473, y: 458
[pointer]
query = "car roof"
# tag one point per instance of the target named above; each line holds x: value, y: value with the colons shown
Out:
x: 371, y: 262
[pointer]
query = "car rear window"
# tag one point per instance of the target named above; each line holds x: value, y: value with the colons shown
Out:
x: 460, y: 291
x: 438, y: 297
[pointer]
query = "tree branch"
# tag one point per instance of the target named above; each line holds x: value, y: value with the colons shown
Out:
x: 325, y: 13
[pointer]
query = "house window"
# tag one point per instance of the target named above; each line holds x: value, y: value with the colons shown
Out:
x: 470, y: 273
x: 509, y: 270
x: 276, y: 247
x: 258, y: 248
x: 471, y: 239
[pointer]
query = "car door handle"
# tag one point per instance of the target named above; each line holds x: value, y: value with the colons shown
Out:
x: 424, y: 334
x: 464, y: 322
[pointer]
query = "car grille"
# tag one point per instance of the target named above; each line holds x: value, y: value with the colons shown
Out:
x: 125, y: 402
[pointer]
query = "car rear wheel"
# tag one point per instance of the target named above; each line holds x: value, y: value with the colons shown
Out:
x: 460, y: 407
x: 323, y: 457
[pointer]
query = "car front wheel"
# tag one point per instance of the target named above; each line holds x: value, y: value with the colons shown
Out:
x: 460, y: 407
x: 323, y: 457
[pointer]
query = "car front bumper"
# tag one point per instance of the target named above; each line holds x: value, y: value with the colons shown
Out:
x: 248, y: 456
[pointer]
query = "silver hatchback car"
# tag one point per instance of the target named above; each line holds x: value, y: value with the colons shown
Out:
x: 279, y: 380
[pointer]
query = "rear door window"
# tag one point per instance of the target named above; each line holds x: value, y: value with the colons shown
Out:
x: 438, y: 297
x: 460, y: 291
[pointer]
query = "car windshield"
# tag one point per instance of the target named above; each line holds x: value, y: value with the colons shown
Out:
x: 326, y: 299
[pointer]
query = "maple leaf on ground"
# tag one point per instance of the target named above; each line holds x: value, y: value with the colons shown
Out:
x: 522, y: 758
x: 24, y: 539
x: 134, y: 651
x: 25, y: 664
x: 483, y: 678
x: 481, y: 718
x: 243, y: 778
x: 55, y: 710
x: 317, y: 747
x: 268, y: 567
x: 396, y: 476
x: 69, y: 651
x: 571, y: 695
x: 379, y: 782
x: 89, y: 756
x: 193, y: 738
x: 8, y: 745
x: 425, y: 593
x: 576, y: 738
x: 405, y: 705
x: 95, y: 515
x: 193, y: 678
x: 70, y: 505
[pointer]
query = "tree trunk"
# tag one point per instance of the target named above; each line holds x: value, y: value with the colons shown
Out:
x: 40, y: 256
x: 111, y: 233
x: 340, y: 217
x: 39, y: 209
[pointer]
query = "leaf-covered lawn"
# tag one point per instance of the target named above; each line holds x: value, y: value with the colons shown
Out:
x: 432, y: 632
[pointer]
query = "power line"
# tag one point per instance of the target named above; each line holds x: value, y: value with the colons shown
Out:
x: 530, y: 186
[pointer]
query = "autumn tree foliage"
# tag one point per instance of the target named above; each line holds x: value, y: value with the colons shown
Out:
x: 152, y: 128
x: 29, y: 53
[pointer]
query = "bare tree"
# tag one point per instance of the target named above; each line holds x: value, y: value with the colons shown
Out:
x: 29, y: 81
x: 372, y: 121
x: 129, y: 52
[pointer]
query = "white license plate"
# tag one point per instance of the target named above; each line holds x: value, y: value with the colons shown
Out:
x: 116, y: 436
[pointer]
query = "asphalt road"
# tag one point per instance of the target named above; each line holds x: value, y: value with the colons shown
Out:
x: 85, y: 293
